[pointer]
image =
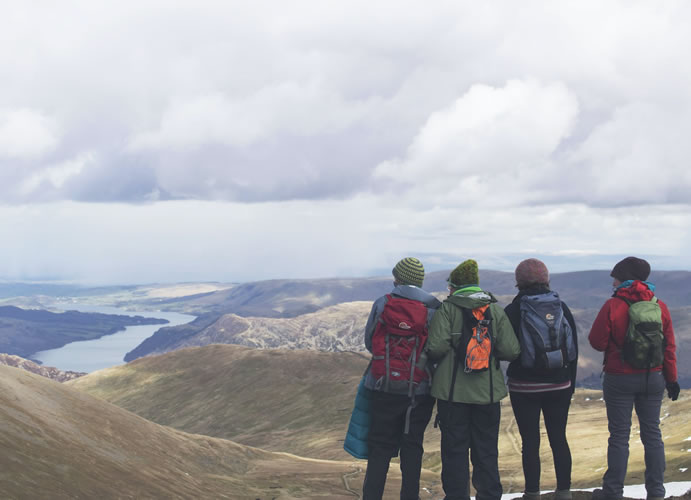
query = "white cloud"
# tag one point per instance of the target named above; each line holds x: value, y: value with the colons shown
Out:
x: 26, y: 133
x: 494, y: 144
x: 491, y: 127
x: 285, y: 108
x: 55, y: 176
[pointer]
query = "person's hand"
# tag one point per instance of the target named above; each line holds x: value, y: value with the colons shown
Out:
x: 673, y: 390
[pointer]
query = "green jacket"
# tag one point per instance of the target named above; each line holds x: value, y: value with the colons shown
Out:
x: 444, y: 334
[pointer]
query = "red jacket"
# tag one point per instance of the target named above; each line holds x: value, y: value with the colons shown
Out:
x: 609, y: 330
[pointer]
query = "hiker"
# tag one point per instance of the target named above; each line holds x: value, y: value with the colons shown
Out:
x: 543, y: 378
x: 634, y: 329
x: 468, y: 336
x: 399, y: 379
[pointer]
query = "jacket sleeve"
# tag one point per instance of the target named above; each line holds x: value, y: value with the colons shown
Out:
x: 601, y: 330
x: 513, y: 313
x: 669, y: 365
x: 507, y: 347
x: 573, y: 367
x: 372, y: 320
x: 439, y: 340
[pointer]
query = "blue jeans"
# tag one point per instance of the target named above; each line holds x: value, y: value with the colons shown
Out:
x: 622, y: 393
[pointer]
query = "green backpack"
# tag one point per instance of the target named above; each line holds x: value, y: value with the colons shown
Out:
x: 644, y: 345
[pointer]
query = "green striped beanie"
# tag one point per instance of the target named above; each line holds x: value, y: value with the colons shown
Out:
x: 409, y: 271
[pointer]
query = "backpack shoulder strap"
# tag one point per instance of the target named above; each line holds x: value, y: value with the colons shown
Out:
x: 622, y: 298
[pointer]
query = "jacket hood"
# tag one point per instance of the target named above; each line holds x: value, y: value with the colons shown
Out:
x: 538, y: 289
x: 415, y: 293
x: 472, y: 299
x: 635, y: 292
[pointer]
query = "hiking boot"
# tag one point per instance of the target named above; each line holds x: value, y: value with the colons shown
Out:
x: 598, y: 494
x: 531, y: 495
x: 562, y: 495
x: 655, y: 498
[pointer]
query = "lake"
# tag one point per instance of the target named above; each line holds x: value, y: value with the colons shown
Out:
x: 109, y: 350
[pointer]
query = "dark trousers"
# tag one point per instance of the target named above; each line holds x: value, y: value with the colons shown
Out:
x: 387, y: 421
x: 554, y: 406
x: 471, y: 427
x: 622, y: 394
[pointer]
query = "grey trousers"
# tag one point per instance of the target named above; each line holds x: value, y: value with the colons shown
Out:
x: 622, y: 393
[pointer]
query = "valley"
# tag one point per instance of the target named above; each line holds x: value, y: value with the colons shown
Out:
x: 252, y: 398
x: 305, y: 398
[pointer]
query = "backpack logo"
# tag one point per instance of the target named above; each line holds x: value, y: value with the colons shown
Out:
x: 644, y: 343
x: 397, y: 344
x: 546, y: 338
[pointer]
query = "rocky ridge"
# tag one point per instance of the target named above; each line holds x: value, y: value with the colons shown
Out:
x: 44, y: 371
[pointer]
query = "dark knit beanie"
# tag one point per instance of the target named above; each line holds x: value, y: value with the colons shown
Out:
x: 631, y: 268
x: 531, y: 272
x: 466, y: 273
x: 409, y: 271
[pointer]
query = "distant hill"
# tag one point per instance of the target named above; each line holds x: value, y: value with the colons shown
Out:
x: 286, y: 298
x: 61, y: 443
x: 26, y: 331
x: 334, y: 328
x: 341, y: 327
x: 300, y: 401
x: 44, y: 371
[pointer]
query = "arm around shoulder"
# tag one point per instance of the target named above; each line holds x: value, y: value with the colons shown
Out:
x: 508, y: 347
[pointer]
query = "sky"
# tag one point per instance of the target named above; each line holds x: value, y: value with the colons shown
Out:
x: 164, y: 141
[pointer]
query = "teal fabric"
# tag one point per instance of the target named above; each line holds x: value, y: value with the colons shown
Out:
x: 358, y: 429
x: 628, y: 283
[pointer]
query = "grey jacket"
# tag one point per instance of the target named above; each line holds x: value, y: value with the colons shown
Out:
x: 407, y: 292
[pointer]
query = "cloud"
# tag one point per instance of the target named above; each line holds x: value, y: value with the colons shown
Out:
x: 280, y: 109
x: 54, y: 177
x: 269, y: 101
x: 491, y: 144
x: 26, y: 134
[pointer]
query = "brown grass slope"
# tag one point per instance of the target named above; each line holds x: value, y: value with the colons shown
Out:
x: 58, y: 443
x: 300, y: 402
x: 282, y: 400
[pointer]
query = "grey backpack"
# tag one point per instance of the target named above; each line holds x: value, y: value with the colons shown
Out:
x: 547, y: 341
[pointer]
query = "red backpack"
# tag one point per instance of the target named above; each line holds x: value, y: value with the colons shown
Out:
x: 397, y: 343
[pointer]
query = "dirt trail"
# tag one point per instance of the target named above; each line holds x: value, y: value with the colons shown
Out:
x: 346, y: 483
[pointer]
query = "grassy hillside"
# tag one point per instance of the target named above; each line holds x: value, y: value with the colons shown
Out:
x: 295, y: 401
x: 300, y: 401
x: 61, y: 443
